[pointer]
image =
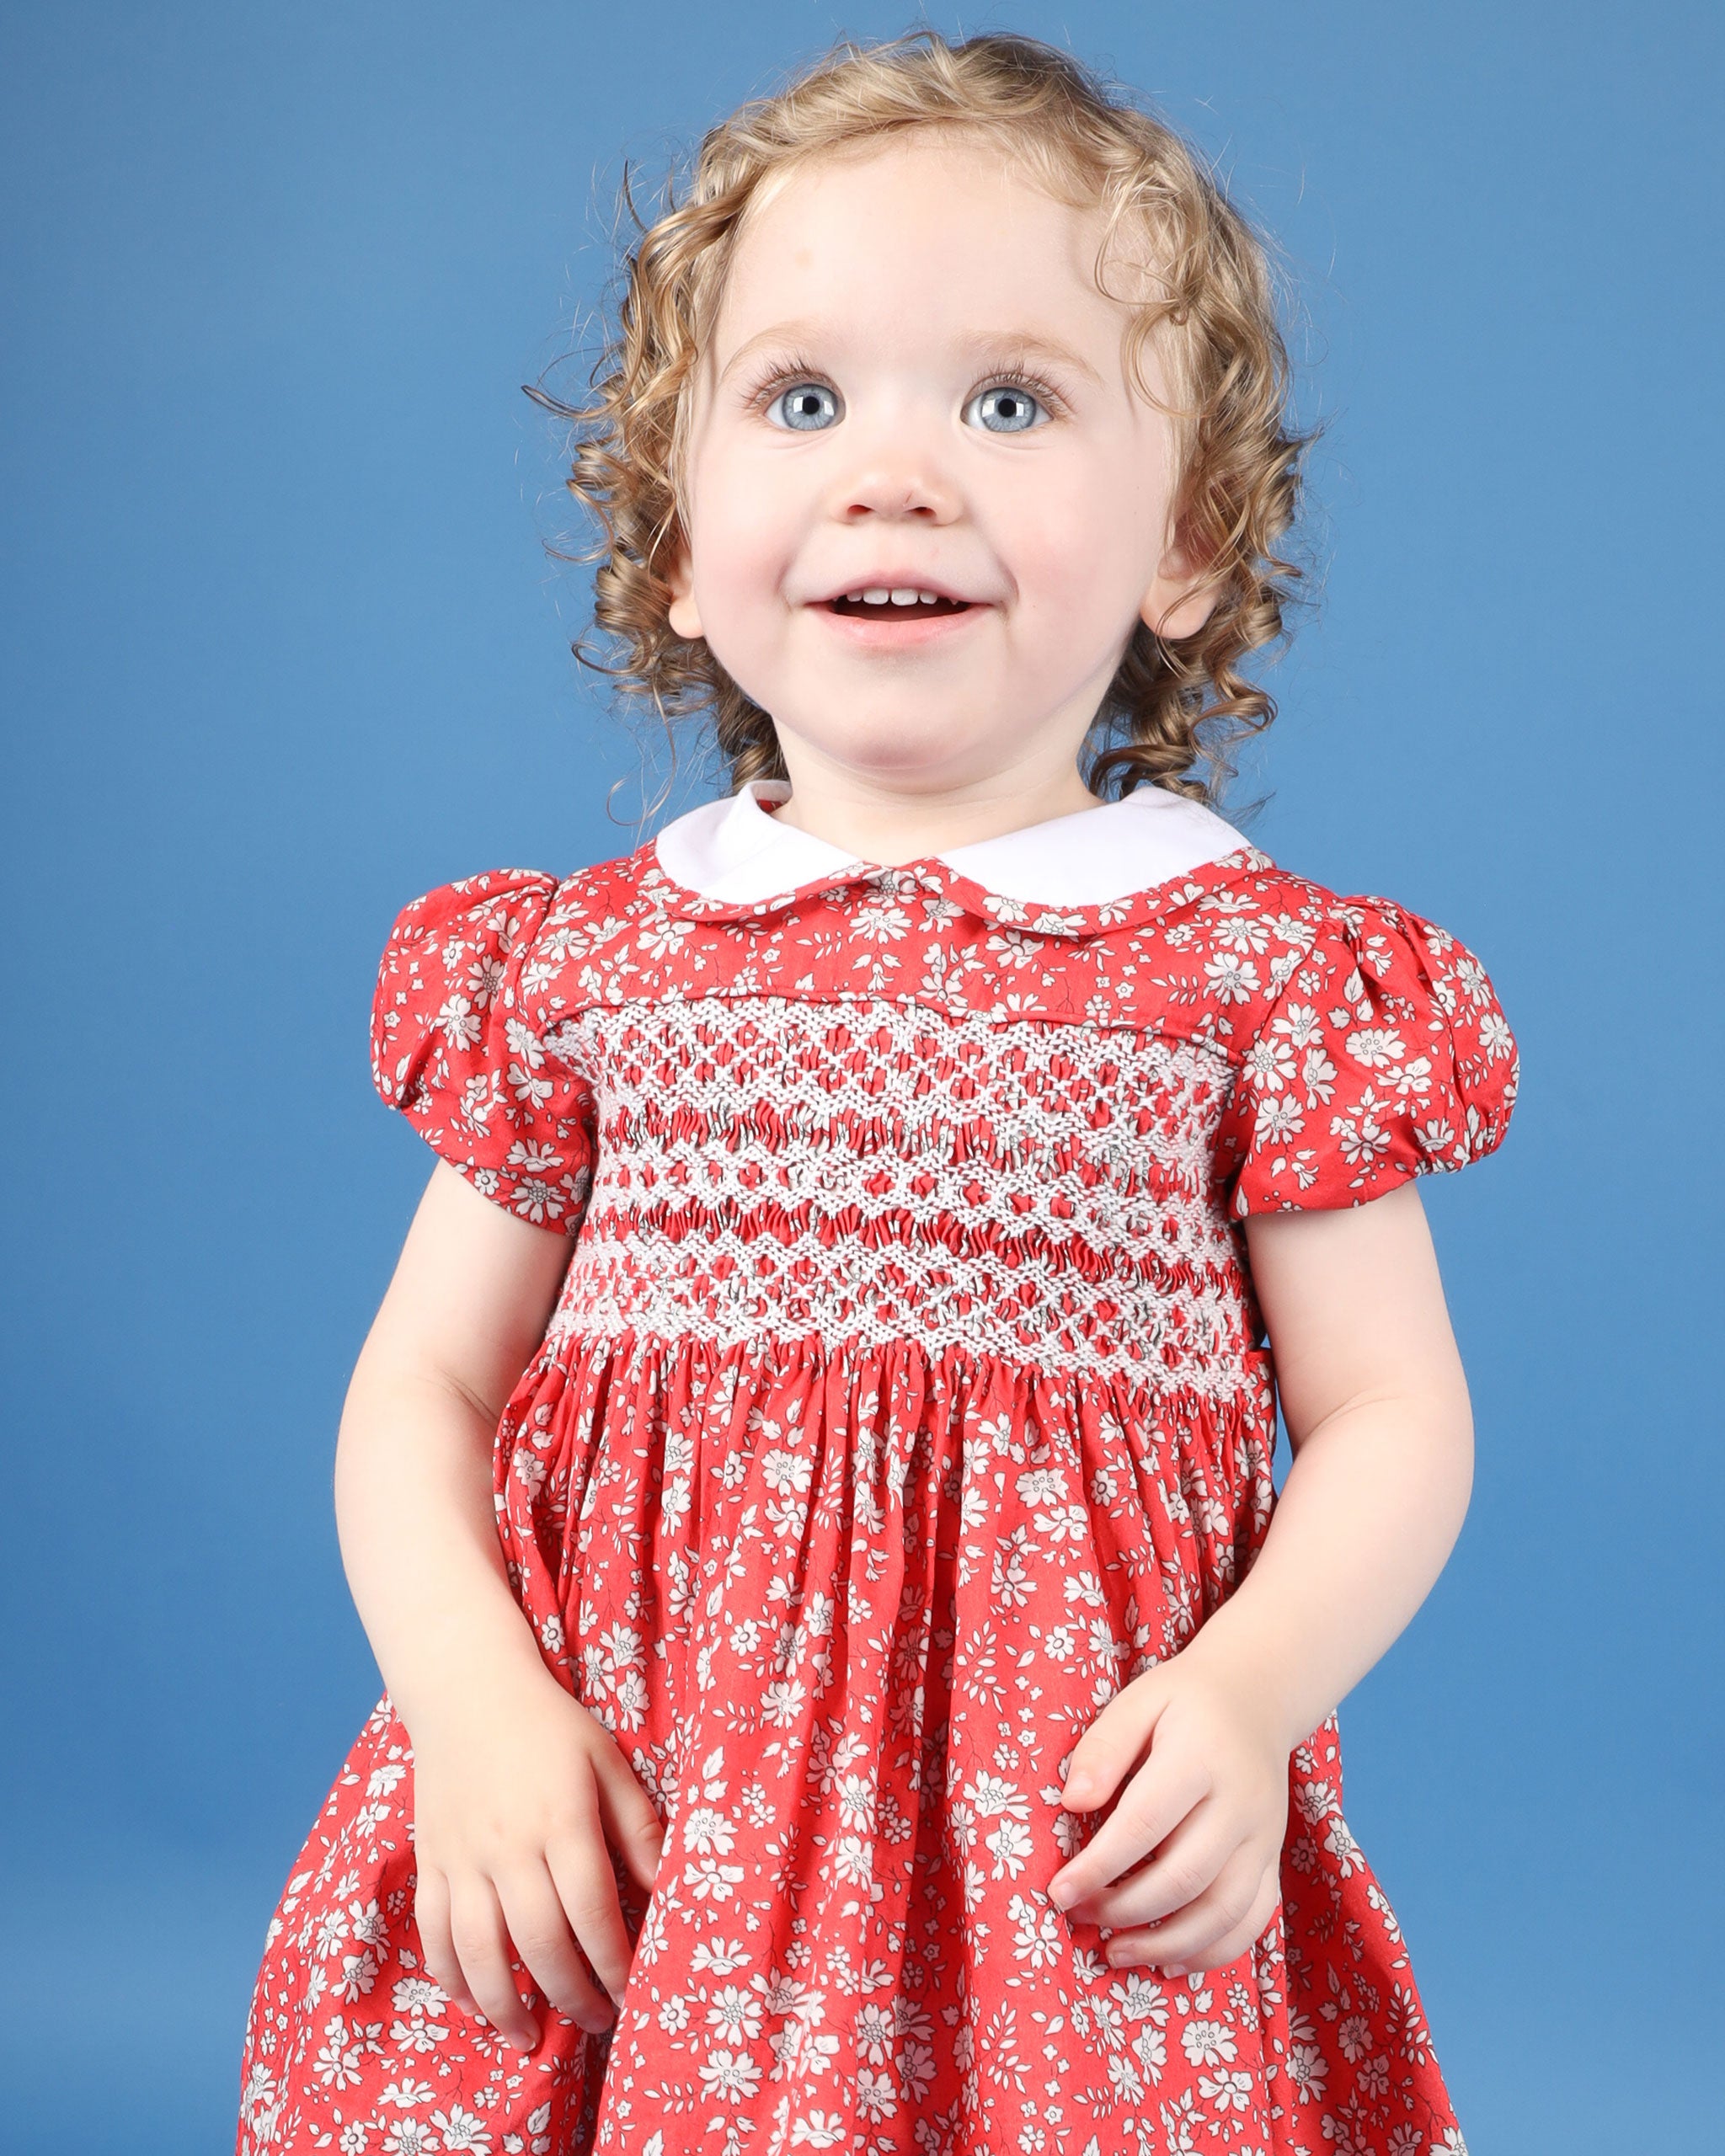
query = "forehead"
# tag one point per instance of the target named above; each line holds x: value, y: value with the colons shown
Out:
x: 923, y: 238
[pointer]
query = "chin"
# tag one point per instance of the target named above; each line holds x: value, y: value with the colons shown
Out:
x: 892, y: 743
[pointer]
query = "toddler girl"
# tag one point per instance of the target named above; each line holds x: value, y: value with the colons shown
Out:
x: 808, y: 1483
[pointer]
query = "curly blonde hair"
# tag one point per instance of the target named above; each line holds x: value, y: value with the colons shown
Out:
x: 1173, y: 704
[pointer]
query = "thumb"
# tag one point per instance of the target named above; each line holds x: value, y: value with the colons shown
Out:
x: 1113, y: 1745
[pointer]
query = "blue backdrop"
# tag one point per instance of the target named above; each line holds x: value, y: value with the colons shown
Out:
x: 284, y: 647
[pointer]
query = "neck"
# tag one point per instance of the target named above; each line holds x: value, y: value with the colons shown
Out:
x: 878, y: 824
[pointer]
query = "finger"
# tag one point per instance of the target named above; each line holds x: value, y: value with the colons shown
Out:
x: 1190, y: 1940
x: 436, y: 1948
x: 1207, y: 1956
x: 533, y: 1915
x: 1245, y: 1934
x: 580, y: 1865
x: 635, y: 1829
x: 1180, y: 1870
x: 481, y: 1943
x: 1153, y: 1804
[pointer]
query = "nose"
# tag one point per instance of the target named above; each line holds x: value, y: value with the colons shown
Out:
x: 911, y: 496
x: 894, y: 472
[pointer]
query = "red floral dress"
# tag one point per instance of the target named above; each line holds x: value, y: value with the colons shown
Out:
x: 906, y: 1396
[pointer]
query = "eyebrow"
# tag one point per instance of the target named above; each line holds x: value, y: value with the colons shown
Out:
x: 1026, y: 343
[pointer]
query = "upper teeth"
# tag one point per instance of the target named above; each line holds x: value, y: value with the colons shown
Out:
x: 900, y: 596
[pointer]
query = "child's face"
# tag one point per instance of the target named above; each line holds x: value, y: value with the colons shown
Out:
x: 886, y: 294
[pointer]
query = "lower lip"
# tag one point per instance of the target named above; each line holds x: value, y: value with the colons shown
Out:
x: 913, y: 629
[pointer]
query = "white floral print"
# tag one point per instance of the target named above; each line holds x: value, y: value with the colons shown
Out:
x: 905, y: 1398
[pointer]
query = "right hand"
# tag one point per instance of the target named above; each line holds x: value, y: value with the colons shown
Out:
x: 513, y: 1798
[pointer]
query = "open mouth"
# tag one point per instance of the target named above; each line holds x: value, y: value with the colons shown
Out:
x: 889, y: 606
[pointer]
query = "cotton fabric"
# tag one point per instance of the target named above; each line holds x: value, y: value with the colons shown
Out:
x: 905, y: 1397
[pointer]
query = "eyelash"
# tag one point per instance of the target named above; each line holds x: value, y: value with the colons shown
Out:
x: 785, y: 372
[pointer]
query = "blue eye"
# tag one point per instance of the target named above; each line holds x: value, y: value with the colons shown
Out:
x: 810, y: 406
x: 1008, y: 401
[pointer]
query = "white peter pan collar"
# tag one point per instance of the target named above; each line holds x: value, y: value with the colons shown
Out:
x: 737, y: 852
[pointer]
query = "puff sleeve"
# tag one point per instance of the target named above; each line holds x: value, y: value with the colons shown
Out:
x: 455, y: 1046
x: 1383, y: 1055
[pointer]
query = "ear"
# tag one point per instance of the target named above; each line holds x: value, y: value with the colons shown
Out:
x: 683, y: 614
x: 1179, y: 601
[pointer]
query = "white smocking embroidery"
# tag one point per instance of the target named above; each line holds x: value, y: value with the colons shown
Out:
x: 881, y: 1170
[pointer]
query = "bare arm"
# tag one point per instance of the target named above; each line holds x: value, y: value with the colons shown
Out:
x: 464, y: 1312
x: 1378, y: 1418
x: 516, y: 1786
x: 1381, y: 1432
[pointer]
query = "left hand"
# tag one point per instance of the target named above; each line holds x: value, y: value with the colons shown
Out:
x: 1211, y: 1801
